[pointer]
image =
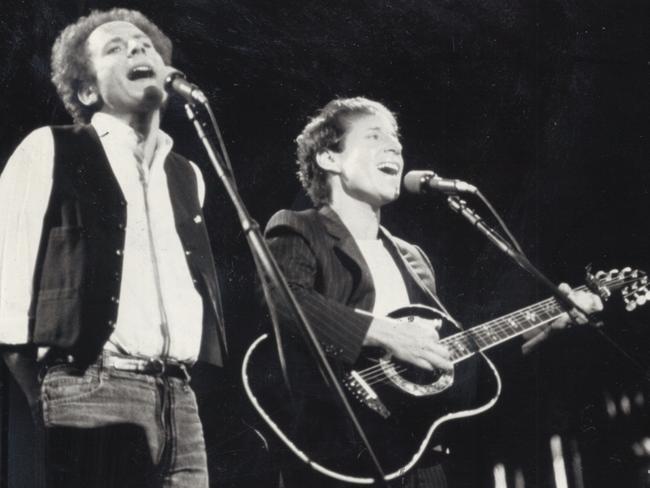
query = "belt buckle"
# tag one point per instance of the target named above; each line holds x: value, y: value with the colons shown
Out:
x: 157, y: 366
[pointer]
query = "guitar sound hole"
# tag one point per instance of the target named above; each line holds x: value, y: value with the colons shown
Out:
x: 416, y: 375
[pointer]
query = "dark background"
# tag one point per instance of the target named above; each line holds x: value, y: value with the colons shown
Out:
x: 542, y: 104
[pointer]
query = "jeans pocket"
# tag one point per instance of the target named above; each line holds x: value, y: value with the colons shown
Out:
x: 66, y: 383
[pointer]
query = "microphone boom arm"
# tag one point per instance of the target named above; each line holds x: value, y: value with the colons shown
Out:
x: 460, y: 206
x: 262, y: 256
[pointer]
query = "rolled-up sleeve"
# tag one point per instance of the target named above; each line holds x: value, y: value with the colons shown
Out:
x: 25, y: 186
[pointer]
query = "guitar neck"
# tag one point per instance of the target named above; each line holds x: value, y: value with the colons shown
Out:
x: 482, y: 337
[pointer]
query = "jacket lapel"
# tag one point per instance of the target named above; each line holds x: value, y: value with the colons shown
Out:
x: 364, y: 292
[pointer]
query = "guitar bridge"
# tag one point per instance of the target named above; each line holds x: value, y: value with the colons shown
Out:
x: 365, y: 394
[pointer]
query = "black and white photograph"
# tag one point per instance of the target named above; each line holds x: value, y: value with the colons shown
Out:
x: 313, y: 244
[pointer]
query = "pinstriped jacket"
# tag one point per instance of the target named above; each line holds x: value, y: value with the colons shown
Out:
x: 330, y: 278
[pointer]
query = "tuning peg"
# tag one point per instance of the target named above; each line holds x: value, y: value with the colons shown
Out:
x: 600, y: 274
x: 636, y: 291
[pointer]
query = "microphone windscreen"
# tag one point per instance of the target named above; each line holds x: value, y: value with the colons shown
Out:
x: 413, y: 180
x: 170, y: 74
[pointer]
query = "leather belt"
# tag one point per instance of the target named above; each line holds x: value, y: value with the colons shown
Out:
x: 153, y: 366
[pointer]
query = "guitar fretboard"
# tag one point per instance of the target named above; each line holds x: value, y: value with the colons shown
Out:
x: 487, y: 335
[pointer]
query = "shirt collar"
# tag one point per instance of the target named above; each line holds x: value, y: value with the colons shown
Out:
x: 108, y: 126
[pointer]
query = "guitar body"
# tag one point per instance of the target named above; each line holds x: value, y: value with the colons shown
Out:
x: 400, y: 407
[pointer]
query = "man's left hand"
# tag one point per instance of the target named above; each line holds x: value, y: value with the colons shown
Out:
x: 584, y: 300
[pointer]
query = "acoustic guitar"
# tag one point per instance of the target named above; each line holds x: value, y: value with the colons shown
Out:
x: 400, y: 406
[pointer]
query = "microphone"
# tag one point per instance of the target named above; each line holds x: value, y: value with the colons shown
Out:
x: 422, y: 181
x: 175, y: 82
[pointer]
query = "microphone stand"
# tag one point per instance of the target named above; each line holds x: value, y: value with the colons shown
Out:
x: 271, y: 271
x: 460, y: 206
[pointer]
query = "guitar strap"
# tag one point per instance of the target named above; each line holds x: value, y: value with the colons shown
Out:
x: 418, y: 272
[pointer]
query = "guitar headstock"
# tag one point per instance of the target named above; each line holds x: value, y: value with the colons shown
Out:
x: 634, y: 284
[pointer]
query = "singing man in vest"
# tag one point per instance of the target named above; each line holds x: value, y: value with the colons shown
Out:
x: 106, y: 266
x: 348, y: 272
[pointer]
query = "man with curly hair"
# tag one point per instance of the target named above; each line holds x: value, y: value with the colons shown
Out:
x: 106, y: 266
x: 348, y: 272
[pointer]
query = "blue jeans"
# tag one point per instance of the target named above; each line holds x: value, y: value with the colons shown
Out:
x: 110, y: 428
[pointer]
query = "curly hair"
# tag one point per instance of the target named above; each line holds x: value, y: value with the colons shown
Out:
x: 71, y: 68
x: 326, y: 132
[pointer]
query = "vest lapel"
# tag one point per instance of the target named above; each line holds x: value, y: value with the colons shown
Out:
x: 95, y: 171
x: 190, y: 225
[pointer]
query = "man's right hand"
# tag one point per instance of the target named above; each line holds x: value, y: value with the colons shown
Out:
x: 416, y: 342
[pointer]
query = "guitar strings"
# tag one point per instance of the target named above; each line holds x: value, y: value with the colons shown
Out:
x: 475, y: 333
x: 545, y: 304
x: 373, y: 374
x: 384, y: 377
x: 496, y: 326
x: 380, y: 376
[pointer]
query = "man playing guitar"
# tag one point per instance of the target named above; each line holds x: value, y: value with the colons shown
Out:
x: 346, y: 271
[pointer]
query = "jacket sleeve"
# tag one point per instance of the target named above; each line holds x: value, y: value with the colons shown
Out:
x: 338, y: 327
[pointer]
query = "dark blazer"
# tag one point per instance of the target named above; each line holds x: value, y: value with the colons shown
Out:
x: 330, y: 278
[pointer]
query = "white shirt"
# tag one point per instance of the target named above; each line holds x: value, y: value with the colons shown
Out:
x: 25, y: 187
x: 390, y: 290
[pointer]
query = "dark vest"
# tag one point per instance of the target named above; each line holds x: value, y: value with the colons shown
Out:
x: 79, y: 265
